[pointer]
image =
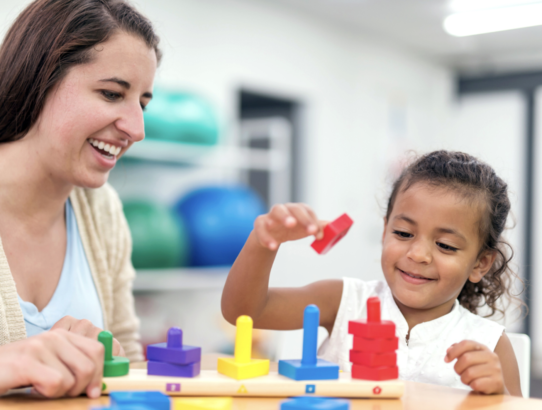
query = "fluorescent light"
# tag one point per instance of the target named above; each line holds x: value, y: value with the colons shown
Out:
x: 491, y: 20
x: 469, y: 5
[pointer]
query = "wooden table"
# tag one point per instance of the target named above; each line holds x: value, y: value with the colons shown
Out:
x: 418, y: 396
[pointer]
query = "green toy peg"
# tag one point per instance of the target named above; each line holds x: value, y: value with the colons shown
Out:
x: 114, y: 366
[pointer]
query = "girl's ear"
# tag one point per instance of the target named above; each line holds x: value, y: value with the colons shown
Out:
x: 483, y: 265
x: 385, y: 226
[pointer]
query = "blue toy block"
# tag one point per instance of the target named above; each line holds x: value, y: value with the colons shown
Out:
x: 172, y: 369
x: 173, y: 351
x: 309, y: 367
x: 315, y: 403
x: 124, y: 407
x: 154, y: 400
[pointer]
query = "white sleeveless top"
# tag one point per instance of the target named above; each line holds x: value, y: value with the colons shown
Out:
x: 75, y: 294
x: 422, y: 360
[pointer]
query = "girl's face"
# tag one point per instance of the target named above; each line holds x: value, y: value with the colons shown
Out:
x: 431, y: 247
x: 95, y: 113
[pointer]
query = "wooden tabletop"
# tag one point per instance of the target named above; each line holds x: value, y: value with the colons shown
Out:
x: 418, y: 396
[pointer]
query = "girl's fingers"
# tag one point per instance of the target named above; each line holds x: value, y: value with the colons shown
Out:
x: 487, y: 385
x: 282, y: 214
x: 458, y: 349
x: 262, y: 234
x: 319, y: 224
x: 476, y: 372
x: 473, y: 358
x: 304, y: 218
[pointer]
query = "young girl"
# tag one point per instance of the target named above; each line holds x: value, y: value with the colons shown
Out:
x: 442, y: 258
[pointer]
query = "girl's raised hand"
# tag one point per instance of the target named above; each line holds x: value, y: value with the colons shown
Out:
x: 479, y: 367
x: 287, y: 222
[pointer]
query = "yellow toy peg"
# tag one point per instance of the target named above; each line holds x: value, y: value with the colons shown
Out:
x: 242, y: 366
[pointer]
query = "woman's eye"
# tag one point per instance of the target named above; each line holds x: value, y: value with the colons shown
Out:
x: 403, y: 234
x: 446, y: 247
x: 110, y: 95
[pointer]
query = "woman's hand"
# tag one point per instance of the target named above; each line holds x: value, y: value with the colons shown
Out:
x: 56, y: 363
x: 86, y: 328
x: 287, y: 222
x: 479, y: 367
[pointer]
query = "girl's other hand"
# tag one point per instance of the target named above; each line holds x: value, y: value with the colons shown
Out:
x: 287, y: 222
x: 56, y: 363
x: 86, y: 328
x: 479, y: 367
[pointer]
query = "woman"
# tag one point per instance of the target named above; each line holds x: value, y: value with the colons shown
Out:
x: 75, y: 78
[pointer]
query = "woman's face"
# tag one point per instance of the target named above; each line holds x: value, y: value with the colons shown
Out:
x: 95, y: 113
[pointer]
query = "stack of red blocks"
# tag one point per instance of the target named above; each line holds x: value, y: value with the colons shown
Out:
x: 373, y: 356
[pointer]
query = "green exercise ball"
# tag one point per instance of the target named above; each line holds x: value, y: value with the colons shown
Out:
x: 158, y: 235
x: 181, y: 117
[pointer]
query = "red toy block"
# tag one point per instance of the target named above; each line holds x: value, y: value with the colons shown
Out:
x: 333, y: 233
x: 374, y: 373
x: 375, y: 345
x: 373, y: 359
x: 373, y: 327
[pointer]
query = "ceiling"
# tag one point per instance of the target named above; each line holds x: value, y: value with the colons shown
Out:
x: 417, y: 25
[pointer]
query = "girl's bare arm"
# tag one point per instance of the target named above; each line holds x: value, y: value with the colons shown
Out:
x: 247, y: 289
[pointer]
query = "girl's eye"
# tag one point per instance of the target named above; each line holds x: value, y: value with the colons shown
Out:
x: 402, y: 234
x: 110, y: 95
x: 446, y: 247
x: 143, y: 107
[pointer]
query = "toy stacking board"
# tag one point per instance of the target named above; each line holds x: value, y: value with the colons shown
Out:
x: 211, y: 383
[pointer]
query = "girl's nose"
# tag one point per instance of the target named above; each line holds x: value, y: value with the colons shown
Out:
x: 131, y: 123
x: 420, y: 252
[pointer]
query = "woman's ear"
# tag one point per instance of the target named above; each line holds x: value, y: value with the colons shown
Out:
x: 385, y: 227
x: 483, y: 265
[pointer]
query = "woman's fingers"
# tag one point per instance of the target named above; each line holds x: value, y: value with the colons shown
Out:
x: 89, y: 371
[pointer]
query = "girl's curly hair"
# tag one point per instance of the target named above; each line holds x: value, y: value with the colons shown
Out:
x: 476, y: 181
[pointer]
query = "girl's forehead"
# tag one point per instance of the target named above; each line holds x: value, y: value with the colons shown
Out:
x: 433, y: 205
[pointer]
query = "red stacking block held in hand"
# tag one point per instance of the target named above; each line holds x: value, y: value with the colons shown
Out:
x: 333, y: 233
x: 373, y: 354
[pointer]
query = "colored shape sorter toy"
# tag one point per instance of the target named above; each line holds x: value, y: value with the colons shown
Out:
x: 271, y: 383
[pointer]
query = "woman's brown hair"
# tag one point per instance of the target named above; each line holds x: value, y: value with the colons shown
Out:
x: 478, y: 182
x: 47, y: 39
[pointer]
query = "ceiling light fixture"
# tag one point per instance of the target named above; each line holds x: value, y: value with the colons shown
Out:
x: 491, y: 20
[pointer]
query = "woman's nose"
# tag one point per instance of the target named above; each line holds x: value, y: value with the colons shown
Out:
x: 131, y: 123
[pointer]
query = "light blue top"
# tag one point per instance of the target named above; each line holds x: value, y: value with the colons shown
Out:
x: 75, y: 294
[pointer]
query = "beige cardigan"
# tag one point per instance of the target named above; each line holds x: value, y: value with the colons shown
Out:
x: 108, y: 246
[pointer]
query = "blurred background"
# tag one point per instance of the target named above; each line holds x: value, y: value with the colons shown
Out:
x: 260, y: 102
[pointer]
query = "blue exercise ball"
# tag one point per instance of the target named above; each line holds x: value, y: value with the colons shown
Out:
x: 218, y: 222
x: 181, y: 117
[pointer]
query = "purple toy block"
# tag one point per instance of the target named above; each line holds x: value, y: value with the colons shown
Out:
x: 173, y: 351
x: 173, y: 370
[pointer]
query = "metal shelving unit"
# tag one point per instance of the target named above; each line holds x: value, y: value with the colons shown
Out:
x: 163, y: 280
